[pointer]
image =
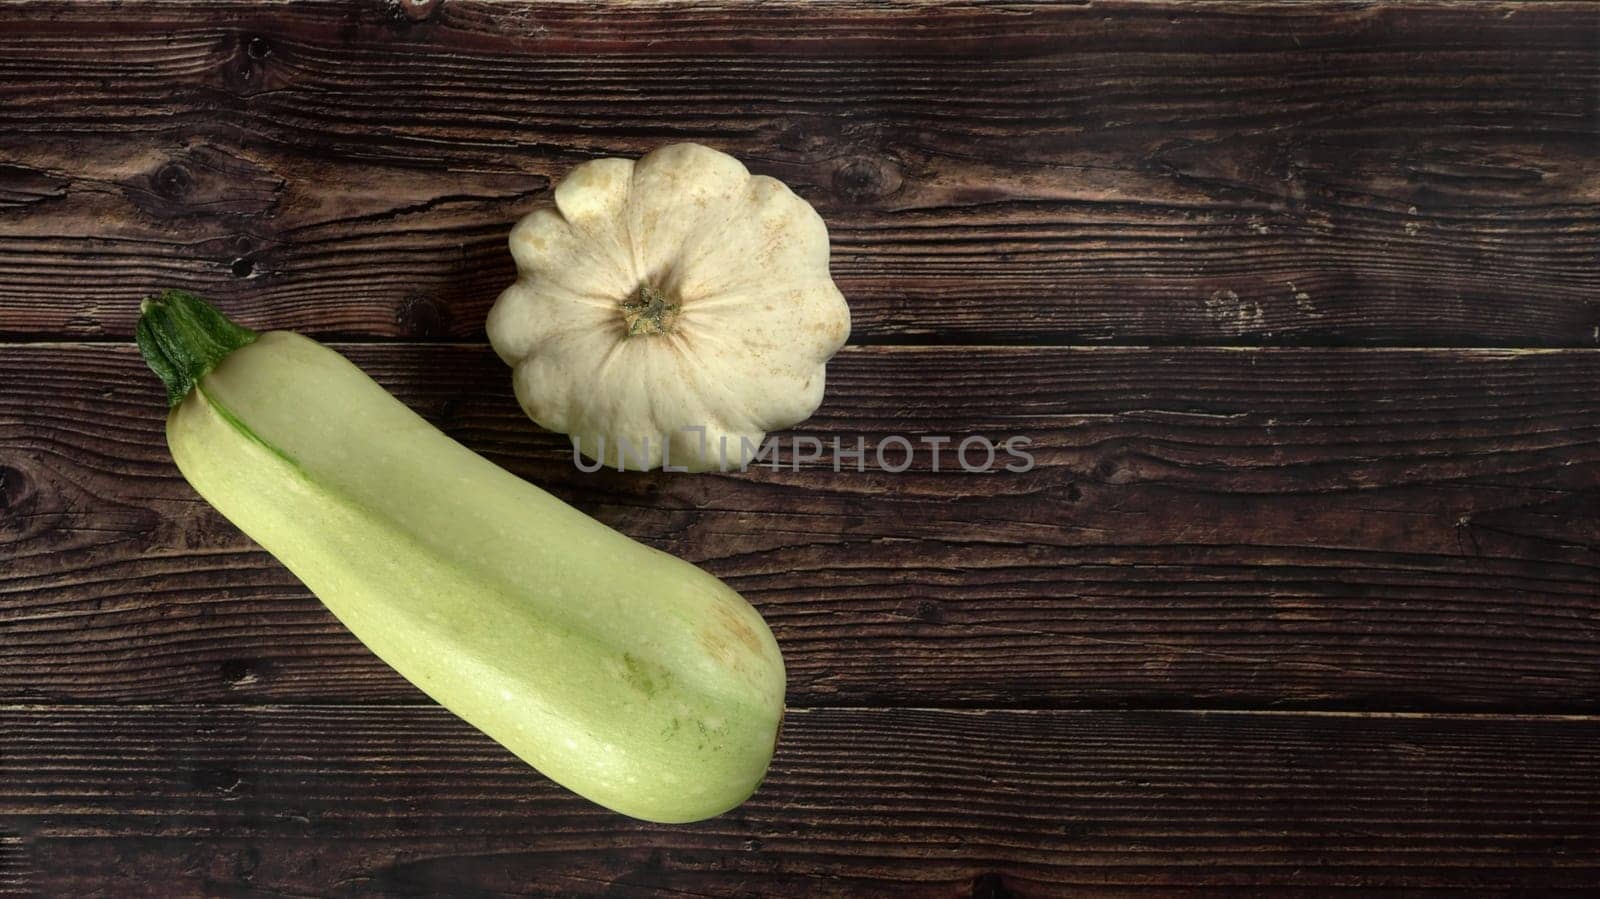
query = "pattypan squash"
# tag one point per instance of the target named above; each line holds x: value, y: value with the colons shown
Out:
x: 669, y: 311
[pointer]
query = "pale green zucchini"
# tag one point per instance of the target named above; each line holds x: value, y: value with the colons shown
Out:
x: 628, y: 676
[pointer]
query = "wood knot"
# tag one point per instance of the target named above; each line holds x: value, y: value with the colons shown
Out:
x: 241, y: 672
x: 208, y: 183
x: 1115, y: 470
x: 990, y: 886
x: 14, y: 488
x: 249, y: 68
x: 419, y: 316
x: 221, y: 780
x: 863, y: 179
x: 172, y: 181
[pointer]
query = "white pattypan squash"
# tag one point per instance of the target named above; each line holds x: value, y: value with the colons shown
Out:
x: 676, y: 301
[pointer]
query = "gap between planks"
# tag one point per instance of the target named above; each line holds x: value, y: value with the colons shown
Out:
x: 965, y: 711
x: 46, y: 342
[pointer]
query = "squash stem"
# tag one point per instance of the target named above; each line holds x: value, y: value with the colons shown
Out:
x: 182, y: 337
x: 648, y: 312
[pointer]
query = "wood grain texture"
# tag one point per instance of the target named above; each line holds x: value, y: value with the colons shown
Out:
x: 16, y: 871
x: 1419, y: 173
x: 996, y: 678
x: 1310, y: 528
x: 165, y: 800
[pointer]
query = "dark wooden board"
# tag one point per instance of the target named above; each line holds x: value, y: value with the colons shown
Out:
x: 1315, y: 528
x: 1285, y: 621
x: 301, y: 801
x: 1418, y: 173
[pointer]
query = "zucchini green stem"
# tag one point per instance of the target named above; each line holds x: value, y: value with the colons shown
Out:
x: 182, y: 337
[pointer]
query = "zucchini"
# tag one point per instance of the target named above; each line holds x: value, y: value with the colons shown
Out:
x: 624, y: 674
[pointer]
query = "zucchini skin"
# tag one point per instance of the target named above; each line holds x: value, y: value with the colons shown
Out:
x: 626, y: 675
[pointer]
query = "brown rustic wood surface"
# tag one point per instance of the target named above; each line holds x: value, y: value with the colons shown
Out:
x: 1305, y: 527
x: 356, y: 801
x: 1379, y: 172
x: 1299, y: 304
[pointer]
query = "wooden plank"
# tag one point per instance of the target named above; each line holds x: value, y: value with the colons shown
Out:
x: 1411, y: 173
x: 15, y: 873
x: 409, y: 800
x: 1304, y: 528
